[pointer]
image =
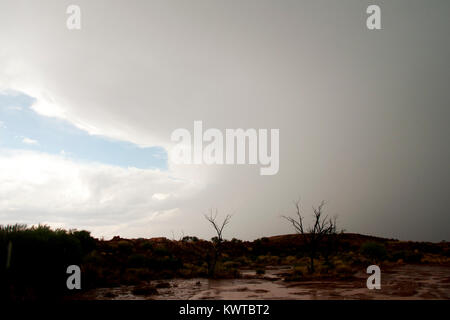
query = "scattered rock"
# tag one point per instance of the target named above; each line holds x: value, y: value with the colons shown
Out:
x: 110, y: 295
x: 260, y: 291
x: 144, y: 290
x: 271, y: 278
x: 162, y: 285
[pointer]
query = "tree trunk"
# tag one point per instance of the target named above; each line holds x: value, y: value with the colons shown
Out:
x: 311, y: 268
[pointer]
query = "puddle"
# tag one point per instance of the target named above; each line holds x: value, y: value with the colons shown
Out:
x: 404, y: 282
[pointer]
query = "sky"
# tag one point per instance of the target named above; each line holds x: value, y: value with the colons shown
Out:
x: 23, y: 128
x: 86, y: 115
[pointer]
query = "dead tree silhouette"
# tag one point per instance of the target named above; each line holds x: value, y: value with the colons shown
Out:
x: 217, y: 241
x: 313, y: 236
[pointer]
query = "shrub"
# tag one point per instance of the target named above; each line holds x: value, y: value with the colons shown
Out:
x: 243, y: 261
x: 147, y: 245
x: 297, y: 274
x: 413, y: 257
x: 397, y: 256
x: 161, y: 250
x: 231, y: 264
x: 189, y: 239
x: 201, y: 271
x: 290, y: 260
x: 125, y: 247
x: 33, y: 261
x: 326, y: 266
x: 86, y: 241
x: 137, y: 260
x: 344, y: 270
x: 267, y: 260
x: 165, y: 263
x: 227, y: 273
x: 135, y: 275
x: 94, y: 257
x: 374, y: 251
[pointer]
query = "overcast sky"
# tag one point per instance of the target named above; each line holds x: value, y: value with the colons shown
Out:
x: 86, y: 115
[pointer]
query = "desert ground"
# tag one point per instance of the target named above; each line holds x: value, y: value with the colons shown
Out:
x: 410, y: 282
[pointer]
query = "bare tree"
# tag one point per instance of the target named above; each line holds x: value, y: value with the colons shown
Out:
x: 322, y: 227
x: 180, y: 238
x: 217, y: 242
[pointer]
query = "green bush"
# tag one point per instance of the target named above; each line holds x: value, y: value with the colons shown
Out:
x: 344, y: 270
x: 125, y: 246
x: 297, y: 274
x: 161, y: 250
x: 231, y: 264
x: 267, y: 260
x: 243, y: 261
x: 86, y: 241
x: 33, y: 261
x: 147, y: 245
x: 137, y: 260
x: 165, y: 263
x: 290, y: 260
x: 374, y: 251
x: 413, y: 257
x: 446, y: 253
x: 189, y: 239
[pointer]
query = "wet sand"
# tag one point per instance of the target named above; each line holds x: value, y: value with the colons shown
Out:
x: 409, y: 282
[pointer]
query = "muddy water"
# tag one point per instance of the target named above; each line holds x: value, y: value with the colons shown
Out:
x: 404, y: 282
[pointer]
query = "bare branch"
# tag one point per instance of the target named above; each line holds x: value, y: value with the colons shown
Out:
x: 322, y: 226
x: 212, y: 218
